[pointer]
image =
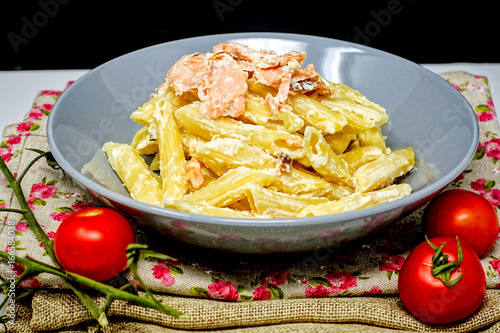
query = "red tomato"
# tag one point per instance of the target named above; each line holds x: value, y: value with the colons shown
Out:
x: 92, y: 242
x: 427, y: 297
x: 464, y: 214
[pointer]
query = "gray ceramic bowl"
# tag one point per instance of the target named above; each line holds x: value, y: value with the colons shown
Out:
x: 425, y: 112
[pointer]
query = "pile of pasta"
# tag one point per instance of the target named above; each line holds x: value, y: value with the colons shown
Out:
x: 326, y: 155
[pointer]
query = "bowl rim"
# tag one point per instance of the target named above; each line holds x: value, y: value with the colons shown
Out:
x: 144, y: 208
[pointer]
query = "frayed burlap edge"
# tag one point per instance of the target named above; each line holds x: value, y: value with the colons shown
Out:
x: 55, y: 310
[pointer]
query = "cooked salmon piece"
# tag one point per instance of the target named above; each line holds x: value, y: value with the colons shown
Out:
x: 248, y: 58
x: 293, y: 59
x: 219, y: 78
x: 187, y: 73
x: 194, y: 172
x: 222, y: 91
x: 278, y: 103
x: 307, y: 80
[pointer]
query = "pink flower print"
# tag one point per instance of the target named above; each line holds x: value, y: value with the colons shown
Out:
x: 6, y: 153
x: 492, y: 148
x: 59, y: 216
x: 485, y: 112
x: 341, y: 281
x: 50, y: 92
x: 485, y: 116
x: 13, y: 140
x: 159, y: 271
x: 51, y: 235
x: 391, y: 263
x: 490, y: 104
x: 276, y: 279
x: 162, y: 273
x: 224, y: 290
x: 456, y: 86
x: 69, y: 84
x: 495, y: 264
x: 373, y: 291
x: 317, y: 291
x: 39, y: 192
x: 493, y: 196
x: 42, y: 191
x: 26, y: 126
x: 261, y: 294
x: 486, y: 190
x: 21, y: 227
x: 478, y: 185
x: 30, y: 283
x: 17, y: 269
x: 168, y: 280
x: 35, y: 113
x: 81, y: 205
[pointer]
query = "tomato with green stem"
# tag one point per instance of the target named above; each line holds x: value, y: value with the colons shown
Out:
x: 442, y: 281
x: 92, y: 242
x: 465, y: 214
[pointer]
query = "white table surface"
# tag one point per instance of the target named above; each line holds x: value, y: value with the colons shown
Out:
x: 19, y: 88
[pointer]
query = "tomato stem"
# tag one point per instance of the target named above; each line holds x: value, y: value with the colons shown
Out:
x: 25, y: 209
x: 33, y: 267
x: 441, y: 267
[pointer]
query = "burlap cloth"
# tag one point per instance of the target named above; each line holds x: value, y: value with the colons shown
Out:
x: 348, y: 288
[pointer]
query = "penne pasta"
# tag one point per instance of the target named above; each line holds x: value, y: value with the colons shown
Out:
x: 134, y: 173
x: 205, y: 209
x: 344, y: 92
x: 361, y: 155
x: 144, y: 114
x: 257, y: 112
x: 191, y: 142
x: 372, y: 137
x: 358, y: 201
x: 143, y: 143
x: 384, y: 170
x: 316, y: 114
x: 170, y: 151
x: 272, y: 141
x: 246, y: 133
x: 230, y: 187
x: 323, y: 159
x: 221, y: 155
x: 277, y: 204
x: 358, y: 116
x: 341, y: 140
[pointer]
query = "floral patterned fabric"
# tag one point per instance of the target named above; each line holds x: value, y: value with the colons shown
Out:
x: 367, y: 266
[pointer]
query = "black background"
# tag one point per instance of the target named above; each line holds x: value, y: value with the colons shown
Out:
x: 77, y: 34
